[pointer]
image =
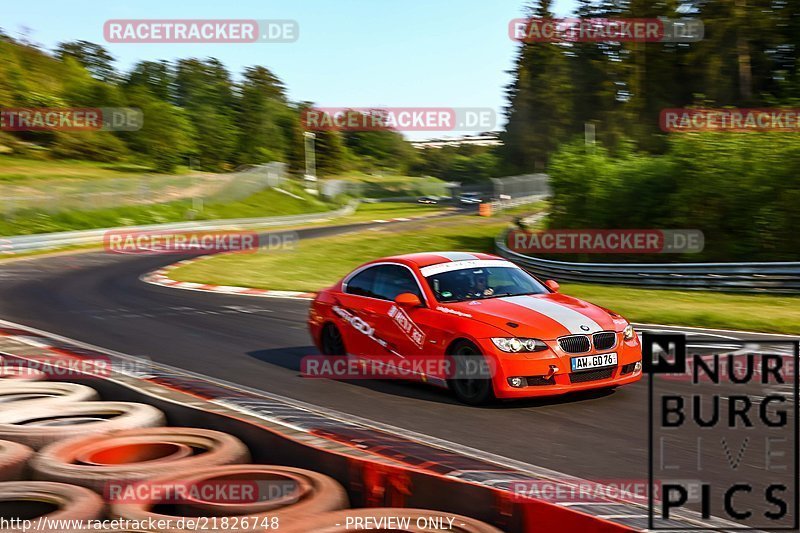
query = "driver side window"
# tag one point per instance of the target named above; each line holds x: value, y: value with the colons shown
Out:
x: 384, y: 282
x: 392, y: 280
x: 361, y: 284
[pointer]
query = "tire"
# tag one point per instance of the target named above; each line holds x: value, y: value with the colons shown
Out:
x: 336, y: 522
x: 132, y: 455
x: 21, y: 373
x: 56, y: 501
x: 16, y: 394
x: 331, y: 341
x: 40, y: 425
x: 13, y: 460
x: 470, y: 390
x: 310, y: 493
x: 315, y: 494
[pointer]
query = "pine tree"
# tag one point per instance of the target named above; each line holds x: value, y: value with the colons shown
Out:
x: 540, y: 101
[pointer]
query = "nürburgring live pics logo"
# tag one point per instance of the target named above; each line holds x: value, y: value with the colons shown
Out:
x: 723, y: 418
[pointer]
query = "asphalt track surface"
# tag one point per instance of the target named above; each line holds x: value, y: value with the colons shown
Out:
x: 98, y: 298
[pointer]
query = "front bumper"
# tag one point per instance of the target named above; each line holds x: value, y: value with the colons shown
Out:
x: 548, y: 373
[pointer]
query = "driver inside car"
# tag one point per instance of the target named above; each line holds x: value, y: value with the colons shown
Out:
x: 480, y: 285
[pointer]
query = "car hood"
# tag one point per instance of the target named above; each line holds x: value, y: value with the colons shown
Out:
x: 542, y: 316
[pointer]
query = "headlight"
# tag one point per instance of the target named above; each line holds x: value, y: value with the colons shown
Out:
x: 514, y: 344
x: 628, y: 332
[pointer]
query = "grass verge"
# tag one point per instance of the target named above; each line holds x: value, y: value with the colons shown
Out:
x: 266, y: 203
x: 23, y: 171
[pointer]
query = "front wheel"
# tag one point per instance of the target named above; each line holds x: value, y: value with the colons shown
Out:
x: 471, y: 380
x: 331, y: 342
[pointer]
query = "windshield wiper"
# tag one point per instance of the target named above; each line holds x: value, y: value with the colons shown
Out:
x: 500, y: 295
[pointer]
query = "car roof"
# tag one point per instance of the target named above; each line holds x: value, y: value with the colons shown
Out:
x: 434, y: 258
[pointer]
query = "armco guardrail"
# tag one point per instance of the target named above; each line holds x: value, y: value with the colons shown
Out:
x: 499, y: 205
x: 46, y: 241
x: 738, y: 277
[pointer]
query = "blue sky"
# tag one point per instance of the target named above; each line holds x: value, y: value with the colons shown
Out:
x: 352, y: 53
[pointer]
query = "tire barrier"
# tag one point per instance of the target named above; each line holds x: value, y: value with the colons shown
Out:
x: 120, y: 441
x: 14, y: 459
x: 292, y: 494
x: 132, y: 455
x: 287, y: 491
x: 389, y: 519
x: 30, y: 500
x: 40, y: 425
x: 21, y: 394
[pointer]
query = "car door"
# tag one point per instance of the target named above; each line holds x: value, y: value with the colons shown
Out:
x: 415, y: 335
x: 353, y: 311
x: 396, y: 326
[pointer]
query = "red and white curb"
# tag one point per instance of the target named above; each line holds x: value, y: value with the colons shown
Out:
x: 400, y: 219
x: 161, y: 277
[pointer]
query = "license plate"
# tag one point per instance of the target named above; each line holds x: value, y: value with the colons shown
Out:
x: 589, y: 362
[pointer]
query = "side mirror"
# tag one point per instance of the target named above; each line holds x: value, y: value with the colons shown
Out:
x: 408, y: 299
x: 552, y: 285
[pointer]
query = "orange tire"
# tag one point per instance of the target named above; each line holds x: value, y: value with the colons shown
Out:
x: 136, y: 454
x: 13, y: 460
x: 306, y: 493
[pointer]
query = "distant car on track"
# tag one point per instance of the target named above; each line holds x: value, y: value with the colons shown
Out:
x: 470, y: 198
x: 481, y: 325
x: 428, y: 200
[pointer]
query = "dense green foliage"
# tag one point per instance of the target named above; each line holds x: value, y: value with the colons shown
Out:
x: 748, y: 57
x: 740, y: 190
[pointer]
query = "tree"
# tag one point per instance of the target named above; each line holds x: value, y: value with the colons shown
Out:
x: 155, y: 76
x: 166, y: 136
x: 96, y: 59
x: 264, y: 118
x: 205, y: 90
x: 540, y: 101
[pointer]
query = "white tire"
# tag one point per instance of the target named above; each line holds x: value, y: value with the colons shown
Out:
x: 40, y: 425
x: 53, y: 501
x: 23, y: 394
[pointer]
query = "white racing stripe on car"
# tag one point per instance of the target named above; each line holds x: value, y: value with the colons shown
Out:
x: 569, y: 318
x: 456, y: 256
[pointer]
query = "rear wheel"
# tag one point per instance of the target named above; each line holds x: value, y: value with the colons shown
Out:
x: 332, y: 342
x: 471, y: 380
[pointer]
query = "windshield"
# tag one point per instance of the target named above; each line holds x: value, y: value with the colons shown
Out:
x: 481, y: 283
